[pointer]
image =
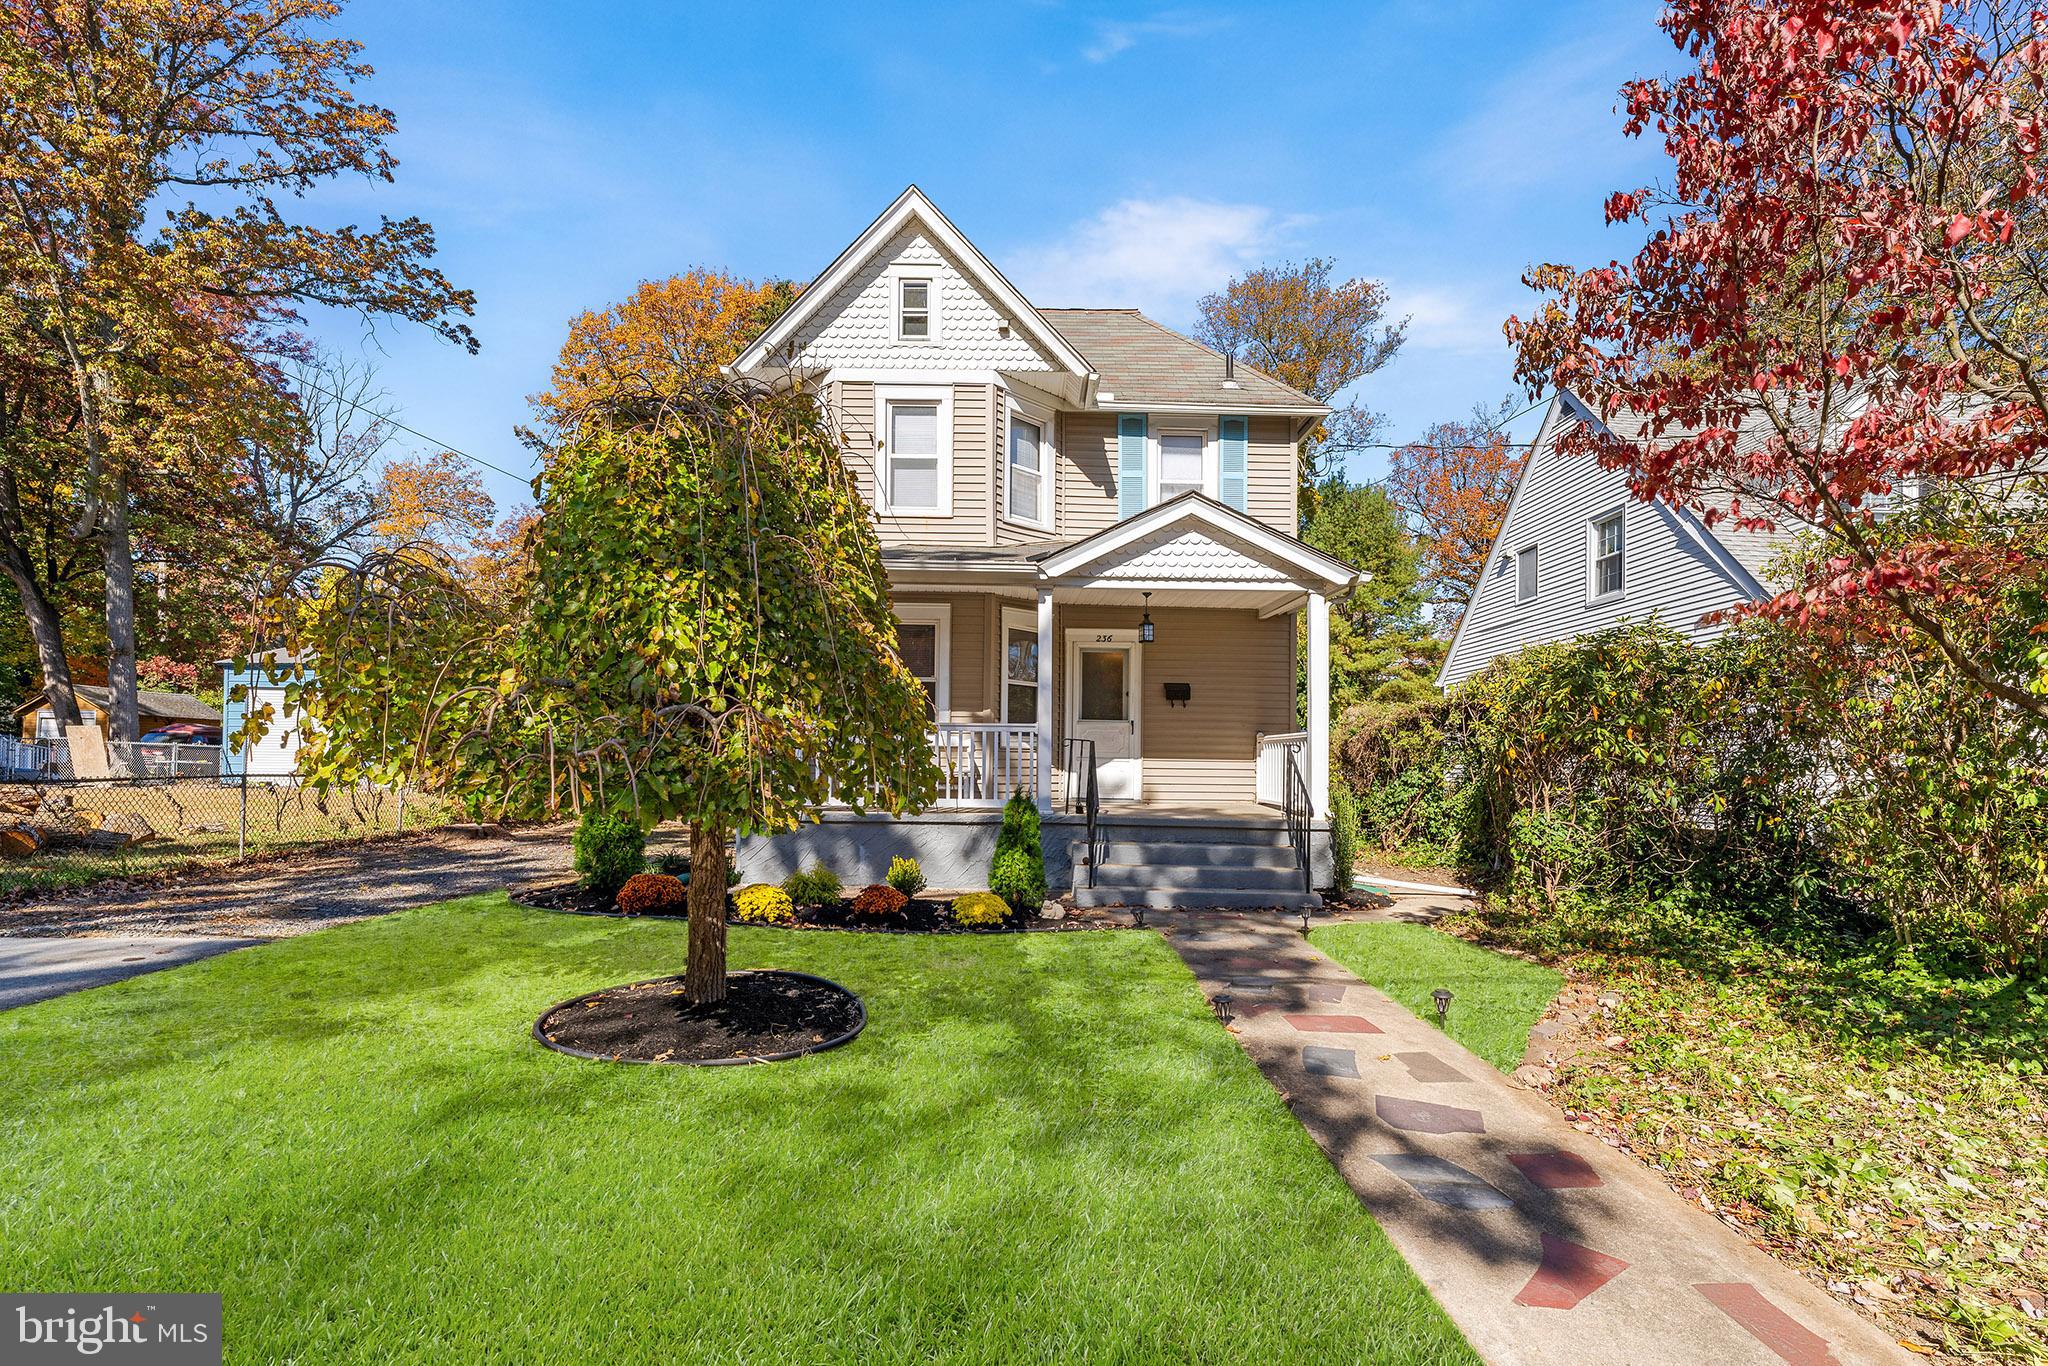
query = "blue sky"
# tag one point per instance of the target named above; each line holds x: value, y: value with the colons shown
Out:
x: 1101, y: 155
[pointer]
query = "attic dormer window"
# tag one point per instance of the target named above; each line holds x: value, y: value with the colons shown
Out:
x: 914, y: 310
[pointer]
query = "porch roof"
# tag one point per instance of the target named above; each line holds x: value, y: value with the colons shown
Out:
x: 1191, y: 546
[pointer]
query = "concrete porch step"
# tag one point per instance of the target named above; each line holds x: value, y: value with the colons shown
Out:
x: 1200, y: 836
x: 1195, y: 899
x: 1198, y: 877
x: 1151, y: 852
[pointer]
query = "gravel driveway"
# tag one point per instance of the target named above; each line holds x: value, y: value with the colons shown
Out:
x: 302, y: 892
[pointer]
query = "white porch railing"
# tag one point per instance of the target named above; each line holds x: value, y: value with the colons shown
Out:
x: 1271, y: 772
x: 37, y: 757
x: 982, y: 765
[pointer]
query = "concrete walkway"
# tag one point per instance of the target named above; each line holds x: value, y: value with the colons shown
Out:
x: 1542, y: 1244
x: 37, y: 969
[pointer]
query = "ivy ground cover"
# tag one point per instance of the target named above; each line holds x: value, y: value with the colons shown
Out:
x: 1042, y: 1148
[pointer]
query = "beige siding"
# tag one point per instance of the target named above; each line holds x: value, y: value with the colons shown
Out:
x: 1087, y: 474
x: 1270, y: 481
x: 1241, y: 670
x: 970, y: 692
x: 973, y: 456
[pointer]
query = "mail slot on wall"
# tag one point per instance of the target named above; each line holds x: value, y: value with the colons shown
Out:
x: 1178, y: 694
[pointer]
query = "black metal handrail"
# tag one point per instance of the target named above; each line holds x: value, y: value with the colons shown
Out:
x: 1295, y: 804
x: 1084, y: 795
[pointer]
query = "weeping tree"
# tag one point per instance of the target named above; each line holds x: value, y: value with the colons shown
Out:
x: 705, y: 636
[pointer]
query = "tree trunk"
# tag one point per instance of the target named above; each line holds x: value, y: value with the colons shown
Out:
x: 45, y: 627
x: 124, y: 714
x: 704, y: 978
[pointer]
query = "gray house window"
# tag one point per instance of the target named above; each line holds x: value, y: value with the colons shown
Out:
x: 1607, y: 555
x: 1525, y: 574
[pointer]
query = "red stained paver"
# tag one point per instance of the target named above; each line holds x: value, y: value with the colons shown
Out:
x: 1768, y: 1324
x: 1333, y: 1024
x: 1556, y: 1171
x: 1567, y: 1275
x: 1427, y: 1117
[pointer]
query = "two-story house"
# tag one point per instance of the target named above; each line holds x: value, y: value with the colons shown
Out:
x: 1576, y: 554
x: 1089, y: 524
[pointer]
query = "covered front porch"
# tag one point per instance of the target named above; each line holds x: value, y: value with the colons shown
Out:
x: 1158, y: 658
x: 1139, y: 684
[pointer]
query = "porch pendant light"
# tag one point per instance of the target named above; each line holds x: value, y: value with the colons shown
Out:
x: 1145, y: 626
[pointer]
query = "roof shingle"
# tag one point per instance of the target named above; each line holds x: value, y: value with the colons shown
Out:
x: 1141, y: 362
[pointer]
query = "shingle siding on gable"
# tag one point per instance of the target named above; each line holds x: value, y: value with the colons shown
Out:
x: 856, y: 329
x: 1674, y: 570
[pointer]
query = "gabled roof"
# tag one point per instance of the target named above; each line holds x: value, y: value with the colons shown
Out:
x: 1145, y: 365
x: 908, y: 206
x: 1195, y: 509
x: 164, y: 706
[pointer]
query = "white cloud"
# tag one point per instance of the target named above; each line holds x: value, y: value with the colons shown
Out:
x: 1450, y: 318
x: 1556, y: 116
x: 1116, y: 36
x: 1158, y: 255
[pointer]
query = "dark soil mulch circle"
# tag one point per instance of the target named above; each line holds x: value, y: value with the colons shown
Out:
x: 766, y: 1016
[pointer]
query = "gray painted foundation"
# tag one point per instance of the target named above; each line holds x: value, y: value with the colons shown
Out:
x: 954, y: 847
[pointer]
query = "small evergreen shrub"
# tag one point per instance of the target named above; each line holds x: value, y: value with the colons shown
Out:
x: 813, y: 886
x: 651, y: 893
x: 980, y: 910
x: 1017, y: 873
x: 1019, y: 879
x: 905, y: 876
x: 1344, y: 836
x: 608, y: 849
x: 1020, y: 825
x: 877, y: 901
x: 763, y: 904
x: 674, y: 863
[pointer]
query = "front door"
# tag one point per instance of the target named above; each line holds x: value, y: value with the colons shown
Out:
x: 1102, y: 705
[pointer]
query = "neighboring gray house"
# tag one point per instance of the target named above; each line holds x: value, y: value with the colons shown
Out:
x: 1577, y: 555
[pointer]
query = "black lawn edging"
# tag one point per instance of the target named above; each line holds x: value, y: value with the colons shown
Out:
x: 860, y: 1022
x: 934, y: 923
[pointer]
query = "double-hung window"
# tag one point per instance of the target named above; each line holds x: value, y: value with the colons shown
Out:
x: 914, y: 309
x: 1183, y: 464
x: 1607, y: 545
x: 914, y: 473
x: 1020, y: 667
x: 1024, y: 477
x: 922, y: 631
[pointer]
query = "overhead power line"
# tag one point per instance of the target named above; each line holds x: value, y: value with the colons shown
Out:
x: 449, y: 447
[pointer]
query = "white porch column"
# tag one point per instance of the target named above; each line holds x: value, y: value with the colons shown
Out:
x: 1047, y: 662
x: 1318, y: 774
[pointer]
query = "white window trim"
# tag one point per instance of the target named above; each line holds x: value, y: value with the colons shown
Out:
x: 885, y: 394
x: 1593, y: 593
x: 930, y: 274
x: 939, y: 615
x: 1211, y: 455
x: 1047, y: 457
x: 1023, y: 619
x: 1530, y: 549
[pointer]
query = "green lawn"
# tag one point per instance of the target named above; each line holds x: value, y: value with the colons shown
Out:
x: 1042, y: 1149
x: 1497, y: 999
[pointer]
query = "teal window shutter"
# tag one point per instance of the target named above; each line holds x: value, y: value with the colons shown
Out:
x: 1232, y: 438
x: 1130, y: 465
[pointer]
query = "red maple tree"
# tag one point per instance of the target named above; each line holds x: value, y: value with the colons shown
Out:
x: 1852, y: 250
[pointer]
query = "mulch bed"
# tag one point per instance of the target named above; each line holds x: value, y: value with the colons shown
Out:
x: 923, y: 915
x: 766, y: 1016
x: 573, y: 898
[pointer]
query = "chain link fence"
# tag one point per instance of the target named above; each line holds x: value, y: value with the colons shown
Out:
x: 59, y: 831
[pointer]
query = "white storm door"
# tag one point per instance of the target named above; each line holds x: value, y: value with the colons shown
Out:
x: 1102, y: 705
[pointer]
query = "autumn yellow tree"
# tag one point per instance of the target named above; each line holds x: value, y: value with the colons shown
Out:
x: 1454, y: 485
x: 435, y: 501
x: 145, y: 149
x: 637, y: 357
x: 1295, y: 324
